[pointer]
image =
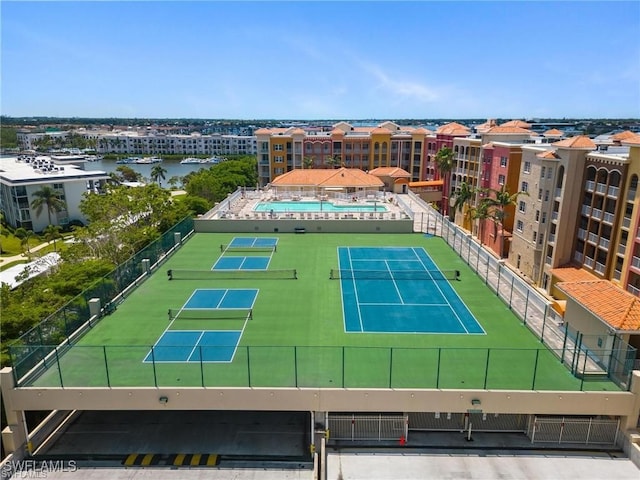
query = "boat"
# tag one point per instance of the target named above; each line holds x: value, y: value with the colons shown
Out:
x: 200, y: 160
x: 147, y: 160
x: 128, y: 160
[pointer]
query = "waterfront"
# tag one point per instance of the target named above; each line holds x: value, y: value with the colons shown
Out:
x: 173, y: 167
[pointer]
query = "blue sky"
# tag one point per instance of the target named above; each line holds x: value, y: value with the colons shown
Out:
x: 321, y: 60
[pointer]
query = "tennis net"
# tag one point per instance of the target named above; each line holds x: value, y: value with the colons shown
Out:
x: 210, y: 314
x: 272, y: 274
x: 337, y: 274
x: 248, y: 248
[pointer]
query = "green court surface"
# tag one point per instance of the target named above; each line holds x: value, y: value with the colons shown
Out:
x: 296, y: 336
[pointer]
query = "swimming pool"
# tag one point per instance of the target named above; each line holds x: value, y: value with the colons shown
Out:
x: 281, y: 207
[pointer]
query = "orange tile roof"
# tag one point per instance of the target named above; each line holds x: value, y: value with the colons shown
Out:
x: 516, y: 123
x: 341, y: 177
x: 509, y: 129
x: 380, y: 130
x: 548, y: 154
x: 422, y: 131
x: 453, y: 128
x: 635, y: 140
x: 554, y: 132
x: 297, y: 131
x: 427, y: 183
x: 581, y: 141
x: 262, y: 131
x: 389, y: 172
x: 611, y: 304
x: 622, y: 135
x: 337, y: 131
x: 572, y: 273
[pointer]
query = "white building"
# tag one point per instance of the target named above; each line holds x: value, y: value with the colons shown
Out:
x: 21, y: 176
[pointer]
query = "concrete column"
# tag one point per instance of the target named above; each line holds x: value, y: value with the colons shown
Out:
x: 177, y: 238
x: 14, y: 435
x: 146, y: 265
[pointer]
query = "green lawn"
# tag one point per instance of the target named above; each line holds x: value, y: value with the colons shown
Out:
x: 297, y: 336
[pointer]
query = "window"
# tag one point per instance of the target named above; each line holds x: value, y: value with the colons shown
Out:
x: 525, y: 187
x: 278, y: 159
x: 537, y: 215
x: 540, y: 239
x: 540, y: 194
x: 535, y: 235
x: 519, y: 225
x: 501, y: 179
x: 544, y: 217
x: 522, y: 207
x: 527, y: 167
x: 278, y: 148
x: 550, y: 172
x: 542, y: 172
x: 503, y: 161
x: 546, y: 195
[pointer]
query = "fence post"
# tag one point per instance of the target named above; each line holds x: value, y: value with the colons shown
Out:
x: 544, y: 322
x: 343, y: 366
x: 201, y: 366
x: 295, y: 364
x: 248, y: 368
x: 438, y: 369
x: 59, y: 367
x: 390, y: 365
x: 526, y: 306
x: 535, y: 370
x: 486, y: 368
x: 106, y: 365
x: 513, y: 277
x: 153, y: 363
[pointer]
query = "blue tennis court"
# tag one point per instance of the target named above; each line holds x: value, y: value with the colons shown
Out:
x: 399, y: 290
x: 204, y: 345
x: 195, y: 346
x: 253, y: 242
x: 222, y: 298
x: 242, y: 263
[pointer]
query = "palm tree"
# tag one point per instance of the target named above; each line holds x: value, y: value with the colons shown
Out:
x: 157, y: 173
x: 307, y: 162
x: 444, y: 162
x: 48, y: 197
x: 481, y: 212
x: 333, y: 160
x: 499, y: 204
x: 463, y: 196
x: 52, y: 232
x: 24, y: 235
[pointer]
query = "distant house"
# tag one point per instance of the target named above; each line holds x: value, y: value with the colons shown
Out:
x: 395, y: 179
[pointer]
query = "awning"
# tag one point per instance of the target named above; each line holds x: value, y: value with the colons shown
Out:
x: 428, y: 183
x: 560, y: 306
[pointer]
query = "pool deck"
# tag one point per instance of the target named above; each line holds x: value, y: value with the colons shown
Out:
x: 242, y: 207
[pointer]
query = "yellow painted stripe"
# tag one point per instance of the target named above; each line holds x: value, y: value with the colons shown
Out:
x: 195, y: 460
x: 179, y: 459
x: 147, y: 459
x: 130, y: 459
x: 211, y: 461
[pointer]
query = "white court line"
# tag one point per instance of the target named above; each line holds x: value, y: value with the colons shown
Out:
x: 355, y: 291
x: 386, y: 262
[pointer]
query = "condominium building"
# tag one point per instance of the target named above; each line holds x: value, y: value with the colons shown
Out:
x: 281, y: 150
x: 141, y: 143
x: 21, y: 177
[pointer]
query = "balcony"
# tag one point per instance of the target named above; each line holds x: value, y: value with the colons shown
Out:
x: 601, y: 188
x: 590, y: 186
x: 593, y: 238
x: 617, y: 274
x: 604, y: 243
x: 582, y: 234
x: 599, y: 268
x: 552, y: 238
x: 595, y: 213
x: 589, y: 262
x: 626, y: 222
x: 554, y: 216
x: 613, y: 192
x: 548, y: 260
x: 558, y: 192
x: 586, y: 210
x: 578, y: 257
x: 622, y: 249
x: 635, y: 262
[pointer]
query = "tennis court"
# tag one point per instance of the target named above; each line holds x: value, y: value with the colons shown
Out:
x: 224, y: 313
x: 221, y: 332
x: 242, y: 263
x: 399, y: 290
x: 253, y: 242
